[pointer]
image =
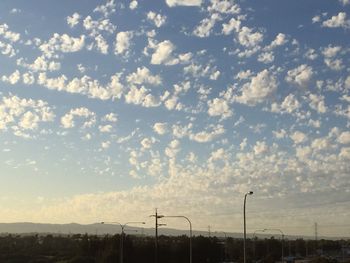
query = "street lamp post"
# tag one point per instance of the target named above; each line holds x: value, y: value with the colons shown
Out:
x: 189, y: 221
x: 122, y: 235
x: 282, y: 234
x: 244, y: 239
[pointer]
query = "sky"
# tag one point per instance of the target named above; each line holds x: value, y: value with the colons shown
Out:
x: 110, y: 109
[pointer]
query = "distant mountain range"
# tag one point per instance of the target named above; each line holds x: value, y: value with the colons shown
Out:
x: 103, y: 229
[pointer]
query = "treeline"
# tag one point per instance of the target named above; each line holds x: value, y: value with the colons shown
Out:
x: 141, y: 249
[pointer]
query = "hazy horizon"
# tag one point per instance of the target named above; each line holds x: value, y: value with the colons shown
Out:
x: 110, y: 109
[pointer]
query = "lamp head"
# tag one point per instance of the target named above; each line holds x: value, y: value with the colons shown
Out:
x: 250, y: 192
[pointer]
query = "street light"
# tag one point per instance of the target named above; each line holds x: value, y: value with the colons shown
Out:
x: 244, y: 240
x: 122, y: 234
x: 189, y: 221
x: 282, y: 234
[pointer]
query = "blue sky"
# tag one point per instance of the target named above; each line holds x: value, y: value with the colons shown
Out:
x: 111, y: 109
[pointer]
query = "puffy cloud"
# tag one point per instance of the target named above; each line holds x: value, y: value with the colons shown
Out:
x: 266, y: 57
x: 73, y: 20
x: 317, y: 103
x: 261, y: 86
x: 163, y: 54
x: 97, y: 26
x: 260, y: 147
x: 141, y: 96
x: 219, y: 107
x: 206, y: 25
x: 62, y: 43
x: 205, y: 136
x: 144, y: 76
x: 105, y: 128
x: 298, y: 137
x: 67, y: 120
x: 331, y: 51
x: 157, y: 19
x: 85, y: 86
x: 23, y: 114
x: 8, y: 34
x: 172, y: 3
x: 13, y: 78
x: 41, y: 63
x: 344, y: 138
x: 101, y: 44
x: 232, y: 25
x: 160, y: 128
x: 224, y: 7
x: 248, y: 38
x: 133, y: 4
x: 106, y: 9
x: 147, y: 142
x: 290, y: 104
x: 7, y: 49
x: 280, y: 40
x: 300, y: 76
x: 122, y: 43
x: 337, y: 21
x: 111, y: 117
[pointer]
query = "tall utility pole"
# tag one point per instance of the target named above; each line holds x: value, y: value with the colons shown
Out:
x: 244, y: 237
x: 156, y: 234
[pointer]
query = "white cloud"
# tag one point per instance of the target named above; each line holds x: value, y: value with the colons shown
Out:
x: 219, y: 107
x: 280, y: 40
x: 101, y: 44
x: 97, y: 26
x: 344, y: 138
x: 248, y: 38
x: 331, y: 51
x: 23, y: 114
x: 317, y: 103
x: 7, y: 49
x: 260, y: 147
x: 133, y: 4
x: 122, y: 43
x: 144, y: 76
x: 8, y: 34
x: 141, y: 96
x: 41, y: 63
x: 157, y: 19
x: 206, y: 25
x: 266, y: 57
x: 344, y: 2
x: 300, y: 76
x: 232, y: 25
x: 73, y: 20
x: 205, y: 136
x: 67, y: 120
x: 261, y: 87
x: 160, y: 128
x: 173, y: 3
x: 224, y: 7
x: 147, y: 143
x: 298, y: 137
x: 163, y: 54
x: 62, y: 43
x: 106, y: 9
x: 111, y: 117
x: 13, y: 78
x: 105, y: 128
x: 337, y: 21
